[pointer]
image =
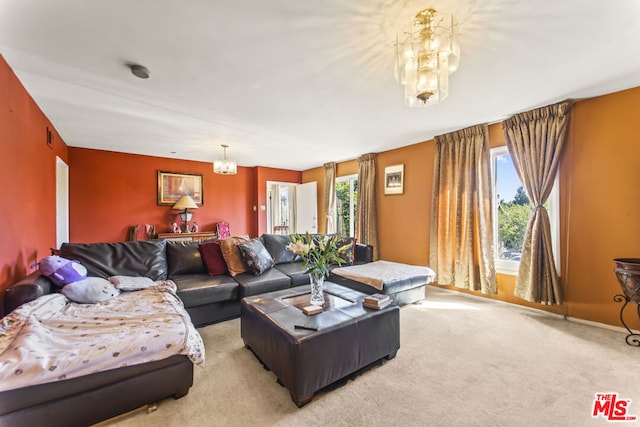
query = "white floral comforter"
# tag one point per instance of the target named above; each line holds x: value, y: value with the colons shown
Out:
x: 51, y: 338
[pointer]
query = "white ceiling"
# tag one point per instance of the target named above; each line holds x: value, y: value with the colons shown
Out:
x: 294, y: 84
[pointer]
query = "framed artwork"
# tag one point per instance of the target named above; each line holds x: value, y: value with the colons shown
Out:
x: 394, y: 179
x: 172, y: 186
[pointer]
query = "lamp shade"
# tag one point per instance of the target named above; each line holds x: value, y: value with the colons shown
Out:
x: 185, y: 202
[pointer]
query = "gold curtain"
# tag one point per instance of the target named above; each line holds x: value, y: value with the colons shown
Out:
x: 461, y: 235
x: 366, y: 210
x: 535, y: 140
x: 330, y: 196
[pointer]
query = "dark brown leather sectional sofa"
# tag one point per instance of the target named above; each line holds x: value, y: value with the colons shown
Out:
x: 207, y: 299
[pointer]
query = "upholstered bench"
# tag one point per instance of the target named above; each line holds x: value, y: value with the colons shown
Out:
x: 403, y: 282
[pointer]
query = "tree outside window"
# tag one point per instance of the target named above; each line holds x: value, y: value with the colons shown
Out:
x: 513, y: 217
x: 512, y: 209
x: 346, y: 201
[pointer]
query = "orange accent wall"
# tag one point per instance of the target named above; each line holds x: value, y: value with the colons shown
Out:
x: 27, y: 174
x: 349, y: 167
x: 404, y: 219
x: 601, y: 183
x: 111, y: 191
x: 599, y: 198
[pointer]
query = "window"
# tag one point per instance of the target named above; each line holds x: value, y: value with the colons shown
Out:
x: 346, y: 200
x: 511, y: 209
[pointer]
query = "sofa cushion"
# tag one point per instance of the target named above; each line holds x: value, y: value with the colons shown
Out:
x: 296, y: 272
x: 271, y: 280
x: 201, y: 289
x: 256, y: 256
x: 212, y: 257
x: 232, y: 255
x: 183, y: 257
x: 276, y: 244
x: 138, y: 258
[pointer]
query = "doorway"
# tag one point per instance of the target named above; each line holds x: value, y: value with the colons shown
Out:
x: 291, y: 208
x: 62, y: 202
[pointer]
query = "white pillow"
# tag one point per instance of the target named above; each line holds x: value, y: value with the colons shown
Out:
x: 131, y: 283
x: 90, y: 290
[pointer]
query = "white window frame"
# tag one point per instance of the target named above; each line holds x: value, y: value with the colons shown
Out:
x: 352, y: 223
x: 511, y: 267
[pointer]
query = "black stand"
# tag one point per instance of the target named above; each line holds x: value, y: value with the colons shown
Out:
x: 633, y: 338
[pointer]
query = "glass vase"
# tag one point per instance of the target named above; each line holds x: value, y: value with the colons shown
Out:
x: 317, y: 289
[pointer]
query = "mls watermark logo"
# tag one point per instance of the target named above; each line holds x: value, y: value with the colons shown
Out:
x: 611, y: 407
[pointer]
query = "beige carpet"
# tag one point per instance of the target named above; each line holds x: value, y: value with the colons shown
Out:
x: 463, y: 361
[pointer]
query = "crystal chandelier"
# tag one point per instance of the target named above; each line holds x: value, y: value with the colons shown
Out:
x: 224, y: 166
x: 425, y: 57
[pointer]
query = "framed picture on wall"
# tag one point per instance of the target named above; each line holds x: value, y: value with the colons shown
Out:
x: 173, y: 185
x: 394, y: 179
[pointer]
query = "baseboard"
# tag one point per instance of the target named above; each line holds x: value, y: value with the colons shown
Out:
x: 600, y: 325
x: 539, y: 311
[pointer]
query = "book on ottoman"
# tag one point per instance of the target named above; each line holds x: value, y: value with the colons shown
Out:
x: 310, y: 310
x: 377, y: 301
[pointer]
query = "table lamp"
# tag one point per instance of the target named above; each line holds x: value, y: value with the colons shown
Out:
x: 186, y: 203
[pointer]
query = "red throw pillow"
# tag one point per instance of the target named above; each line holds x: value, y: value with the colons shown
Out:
x: 212, y: 257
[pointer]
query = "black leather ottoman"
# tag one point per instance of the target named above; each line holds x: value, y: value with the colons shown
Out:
x: 341, y: 340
